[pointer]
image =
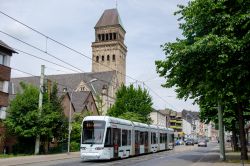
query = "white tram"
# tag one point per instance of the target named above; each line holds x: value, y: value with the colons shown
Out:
x: 105, y: 137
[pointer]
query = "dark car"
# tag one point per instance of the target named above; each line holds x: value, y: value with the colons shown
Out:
x: 189, y: 142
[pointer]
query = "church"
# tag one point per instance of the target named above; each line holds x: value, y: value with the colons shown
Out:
x: 108, y: 70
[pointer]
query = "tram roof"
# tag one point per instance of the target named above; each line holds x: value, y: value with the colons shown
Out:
x: 109, y: 119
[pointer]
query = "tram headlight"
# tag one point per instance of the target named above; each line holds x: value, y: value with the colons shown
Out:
x: 99, y: 148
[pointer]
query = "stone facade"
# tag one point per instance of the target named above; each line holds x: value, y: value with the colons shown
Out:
x: 108, y: 49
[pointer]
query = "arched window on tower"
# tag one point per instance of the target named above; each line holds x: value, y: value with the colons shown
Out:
x: 107, y: 36
x: 99, y: 37
x: 110, y: 36
x: 97, y: 59
x: 103, y: 58
x: 113, y: 58
x: 107, y: 57
x: 114, y: 34
x: 103, y: 37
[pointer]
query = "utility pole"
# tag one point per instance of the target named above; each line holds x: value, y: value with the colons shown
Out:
x: 37, y: 145
x: 221, y: 133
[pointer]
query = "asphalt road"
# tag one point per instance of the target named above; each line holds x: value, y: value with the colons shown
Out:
x: 181, y: 156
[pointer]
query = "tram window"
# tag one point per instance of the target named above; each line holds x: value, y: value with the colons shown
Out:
x: 129, y: 137
x: 153, y: 138
x: 117, y: 136
x: 142, y: 138
x: 108, y: 139
x: 137, y: 134
x: 161, y: 139
x: 124, y: 137
x: 146, y: 138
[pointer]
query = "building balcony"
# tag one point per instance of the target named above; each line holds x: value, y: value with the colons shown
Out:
x: 172, y: 121
x: 176, y: 127
x: 5, y: 73
x: 178, y: 121
x: 4, y: 99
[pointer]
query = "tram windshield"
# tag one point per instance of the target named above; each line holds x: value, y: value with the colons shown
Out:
x: 93, y: 132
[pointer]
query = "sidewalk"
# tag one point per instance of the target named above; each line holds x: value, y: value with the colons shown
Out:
x: 35, y: 159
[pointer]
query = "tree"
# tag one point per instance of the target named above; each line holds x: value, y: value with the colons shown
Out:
x: 211, y: 62
x: 76, y: 129
x: 132, y: 104
x: 24, y: 121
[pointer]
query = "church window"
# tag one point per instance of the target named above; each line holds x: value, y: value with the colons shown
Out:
x: 102, y: 37
x: 107, y: 36
x: 113, y: 58
x: 97, y: 59
x: 110, y: 36
x: 114, y: 36
x: 103, y: 58
x: 107, y: 57
x: 99, y: 37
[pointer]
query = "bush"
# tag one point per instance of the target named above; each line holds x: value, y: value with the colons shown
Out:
x: 74, y: 146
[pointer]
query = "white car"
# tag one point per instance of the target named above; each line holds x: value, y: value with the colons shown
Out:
x: 202, y: 143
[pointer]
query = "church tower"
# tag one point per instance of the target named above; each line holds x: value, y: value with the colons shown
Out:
x: 108, y: 49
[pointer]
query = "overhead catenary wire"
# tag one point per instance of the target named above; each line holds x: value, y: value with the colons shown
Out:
x: 64, y: 45
x: 50, y: 55
x: 18, y: 50
x: 38, y: 49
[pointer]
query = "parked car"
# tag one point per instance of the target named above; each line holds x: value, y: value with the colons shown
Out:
x: 202, y: 142
x: 195, y: 141
x: 189, y: 142
x: 181, y: 142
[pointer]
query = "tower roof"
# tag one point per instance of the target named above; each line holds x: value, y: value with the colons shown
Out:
x: 109, y: 17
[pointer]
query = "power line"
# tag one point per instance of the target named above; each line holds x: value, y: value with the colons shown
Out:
x: 64, y: 45
x: 39, y: 49
x: 43, y: 59
x: 47, y: 37
x: 52, y: 56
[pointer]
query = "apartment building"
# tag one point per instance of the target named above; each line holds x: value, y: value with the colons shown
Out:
x: 5, y: 70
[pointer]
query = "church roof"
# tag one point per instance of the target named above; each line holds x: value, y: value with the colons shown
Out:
x: 68, y: 81
x: 109, y: 17
x: 78, y: 100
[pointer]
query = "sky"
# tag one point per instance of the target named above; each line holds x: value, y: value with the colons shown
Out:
x: 148, y: 25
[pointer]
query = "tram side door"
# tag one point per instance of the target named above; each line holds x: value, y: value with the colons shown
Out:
x: 146, y: 141
x: 117, y: 141
x: 137, y: 142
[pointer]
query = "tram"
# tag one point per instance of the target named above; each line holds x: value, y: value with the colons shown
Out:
x: 105, y: 137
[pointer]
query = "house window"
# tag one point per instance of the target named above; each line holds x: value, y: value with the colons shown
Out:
x: 97, y: 59
x: 1, y: 59
x: 1, y: 85
x: 107, y: 57
x: 113, y: 58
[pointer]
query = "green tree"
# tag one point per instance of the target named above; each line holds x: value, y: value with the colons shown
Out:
x: 24, y: 121
x: 132, y: 104
x: 76, y: 129
x: 211, y: 62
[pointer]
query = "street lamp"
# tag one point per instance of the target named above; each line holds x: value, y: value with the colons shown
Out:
x: 90, y: 82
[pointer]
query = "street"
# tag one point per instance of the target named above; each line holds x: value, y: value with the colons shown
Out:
x: 182, y: 155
